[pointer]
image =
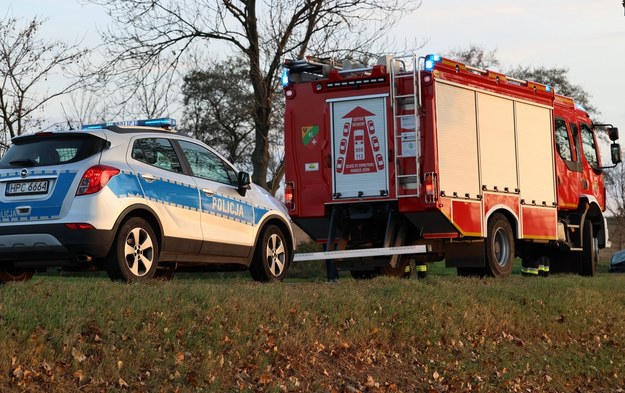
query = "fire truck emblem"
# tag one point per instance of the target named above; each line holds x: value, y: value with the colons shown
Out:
x: 359, y: 146
x: 309, y: 136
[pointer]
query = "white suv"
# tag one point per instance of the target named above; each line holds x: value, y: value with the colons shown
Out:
x: 139, y: 202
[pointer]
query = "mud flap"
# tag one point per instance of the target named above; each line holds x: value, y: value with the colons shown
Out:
x: 465, y: 254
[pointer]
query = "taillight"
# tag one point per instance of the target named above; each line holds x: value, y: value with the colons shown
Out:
x: 429, y: 185
x: 95, y: 179
x: 289, y: 190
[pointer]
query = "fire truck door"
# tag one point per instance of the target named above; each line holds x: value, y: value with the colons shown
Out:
x: 568, y: 164
x: 359, y: 153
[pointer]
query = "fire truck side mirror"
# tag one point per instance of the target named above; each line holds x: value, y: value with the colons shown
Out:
x: 613, y: 133
x: 243, y: 182
x: 615, y: 150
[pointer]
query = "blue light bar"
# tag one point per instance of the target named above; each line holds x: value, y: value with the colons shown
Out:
x: 165, y: 122
x: 430, y: 61
x: 285, y: 77
x: 548, y: 88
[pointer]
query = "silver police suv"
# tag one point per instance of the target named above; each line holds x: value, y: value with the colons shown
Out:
x: 139, y: 202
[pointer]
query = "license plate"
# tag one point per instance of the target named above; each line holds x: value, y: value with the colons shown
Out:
x: 27, y: 187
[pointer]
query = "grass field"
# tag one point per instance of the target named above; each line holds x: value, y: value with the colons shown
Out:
x: 224, y: 332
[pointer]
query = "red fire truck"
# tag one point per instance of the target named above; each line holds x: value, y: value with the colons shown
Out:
x: 427, y: 158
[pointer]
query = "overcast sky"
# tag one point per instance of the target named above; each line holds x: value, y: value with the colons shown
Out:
x: 587, y: 36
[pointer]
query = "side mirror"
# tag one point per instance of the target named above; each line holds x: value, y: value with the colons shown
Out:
x: 615, y: 151
x: 613, y: 133
x: 243, y: 182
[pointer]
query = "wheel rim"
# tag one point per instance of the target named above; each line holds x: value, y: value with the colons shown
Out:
x: 501, y: 247
x: 276, y: 255
x: 139, y: 252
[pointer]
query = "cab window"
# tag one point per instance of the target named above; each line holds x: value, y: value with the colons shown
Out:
x: 207, y: 165
x: 575, y: 134
x: 563, y: 143
x: 589, y: 146
x: 157, y: 152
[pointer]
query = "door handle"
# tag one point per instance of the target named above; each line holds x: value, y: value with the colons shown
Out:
x: 148, y: 177
x: 208, y: 192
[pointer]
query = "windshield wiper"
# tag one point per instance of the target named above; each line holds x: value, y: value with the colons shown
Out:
x: 27, y: 162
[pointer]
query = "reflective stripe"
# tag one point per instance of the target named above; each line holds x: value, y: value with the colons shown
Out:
x: 529, y: 270
x: 407, y: 269
x: 421, y: 268
x: 543, y: 268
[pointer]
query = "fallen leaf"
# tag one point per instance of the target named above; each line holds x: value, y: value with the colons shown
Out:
x: 46, y: 366
x: 78, y: 374
x: 78, y: 355
x: 122, y: 384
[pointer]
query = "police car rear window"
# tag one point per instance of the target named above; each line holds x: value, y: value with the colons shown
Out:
x: 53, y: 149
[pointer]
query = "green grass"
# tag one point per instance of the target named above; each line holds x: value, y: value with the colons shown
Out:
x: 226, y: 333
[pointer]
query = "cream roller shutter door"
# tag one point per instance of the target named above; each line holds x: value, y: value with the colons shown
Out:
x: 457, y: 140
x: 535, y: 142
x: 497, y: 143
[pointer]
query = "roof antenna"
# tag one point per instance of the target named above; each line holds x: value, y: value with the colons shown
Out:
x: 69, y: 123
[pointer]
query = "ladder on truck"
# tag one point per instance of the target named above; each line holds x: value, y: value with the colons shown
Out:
x: 404, y: 69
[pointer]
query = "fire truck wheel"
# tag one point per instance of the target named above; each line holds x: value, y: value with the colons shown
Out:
x: 589, y: 254
x: 13, y: 274
x: 499, y: 246
x: 271, y: 258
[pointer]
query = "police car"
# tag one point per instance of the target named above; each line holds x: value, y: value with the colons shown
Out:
x: 137, y: 201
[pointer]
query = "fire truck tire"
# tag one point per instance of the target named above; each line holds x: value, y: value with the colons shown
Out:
x: 499, y: 246
x: 13, y: 274
x: 271, y: 258
x: 588, y: 266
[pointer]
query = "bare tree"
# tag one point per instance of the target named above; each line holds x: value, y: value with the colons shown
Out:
x: 263, y: 33
x: 26, y: 61
x: 219, y: 103
x: 476, y: 56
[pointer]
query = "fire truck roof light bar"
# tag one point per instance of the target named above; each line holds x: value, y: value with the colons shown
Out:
x: 370, y: 252
x: 430, y: 61
x: 165, y: 122
x: 284, y: 78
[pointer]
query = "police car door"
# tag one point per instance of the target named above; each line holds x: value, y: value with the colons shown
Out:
x: 170, y: 193
x: 227, y: 217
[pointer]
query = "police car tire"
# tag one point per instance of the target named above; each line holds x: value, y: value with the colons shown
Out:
x: 500, y: 252
x: 123, y: 260
x: 271, y: 257
x: 13, y: 275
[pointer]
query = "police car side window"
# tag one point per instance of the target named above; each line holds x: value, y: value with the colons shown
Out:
x: 206, y: 164
x: 157, y: 152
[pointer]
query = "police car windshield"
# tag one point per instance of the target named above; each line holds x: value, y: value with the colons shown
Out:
x: 54, y: 149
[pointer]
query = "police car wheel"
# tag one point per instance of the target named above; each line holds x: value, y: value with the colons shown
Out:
x: 271, y: 258
x: 134, y: 255
x: 13, y: 274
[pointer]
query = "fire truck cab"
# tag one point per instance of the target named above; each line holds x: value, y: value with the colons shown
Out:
x: 476, y: 166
